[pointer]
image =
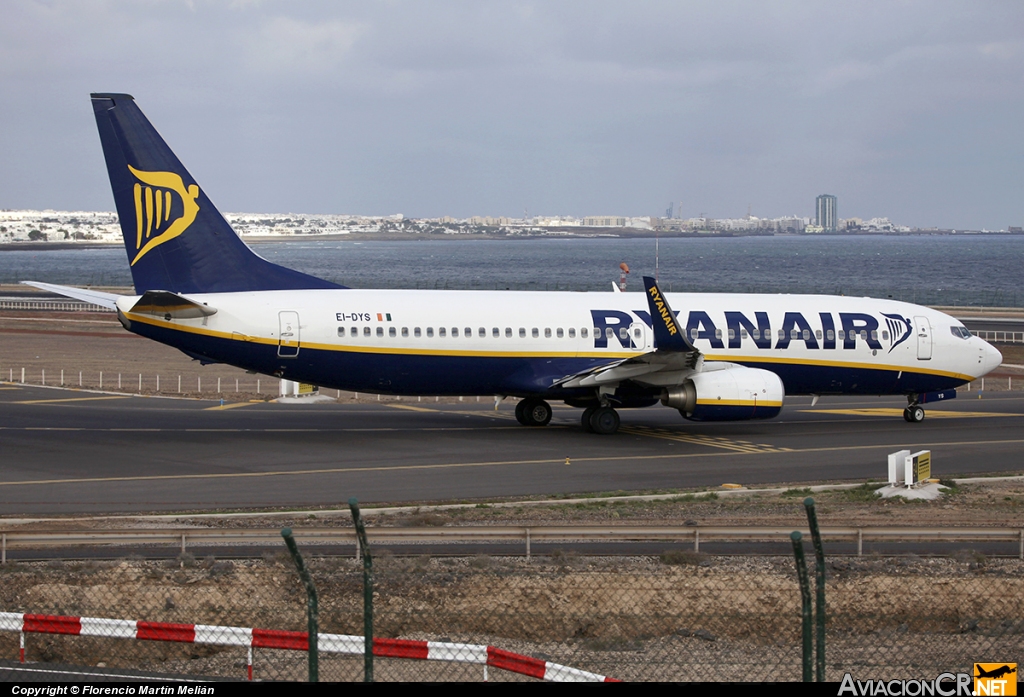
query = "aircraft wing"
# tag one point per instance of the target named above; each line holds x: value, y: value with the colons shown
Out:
x: 95, y: 297
x: 674, y: 357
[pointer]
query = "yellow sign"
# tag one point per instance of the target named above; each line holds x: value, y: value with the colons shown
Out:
x: 153, y: 205
x: 305, y: 388
x: 922, y: 465
x: 995, y: 679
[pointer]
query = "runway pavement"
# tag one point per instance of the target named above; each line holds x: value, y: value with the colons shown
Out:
x: 69, y: 452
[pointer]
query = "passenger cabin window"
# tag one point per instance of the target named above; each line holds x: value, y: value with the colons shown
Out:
x: 392, y: 331
x: 636, y: 332
x: 405, y: 331
x: 416, y: 332
x: 535, y: 333
x: 547, y: 332
x: 559, y: 332
x: 623, y: 333
x: 522, y: 332
x: 430, y: 331
x: 353, y: 332
x: 583, y: 332
x: 508, y: 332
x: 830, y: 335
x: 757, y: 333
x: 817, y: 334
x: 732, y: 333
x: 874, y: 335
x: 341, y: 331
x: 469, y: 332
x: 441, y: 331
x: 455, y: 331
x: 806, y: 334
x: 380, y: 331
x: 366, y: 331
x: 693, y: 334
x: 885, y: 335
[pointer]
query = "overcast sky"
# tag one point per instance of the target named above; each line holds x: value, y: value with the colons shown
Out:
x: 911, y: 110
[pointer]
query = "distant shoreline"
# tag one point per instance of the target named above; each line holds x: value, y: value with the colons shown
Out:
x: 418, y: 237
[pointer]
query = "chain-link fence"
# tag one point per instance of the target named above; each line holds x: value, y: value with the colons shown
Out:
x: 680, y: 617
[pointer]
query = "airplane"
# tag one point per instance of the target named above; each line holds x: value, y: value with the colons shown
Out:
x: 725, y: 357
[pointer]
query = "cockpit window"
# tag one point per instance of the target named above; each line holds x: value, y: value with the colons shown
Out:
x: 962, y: 332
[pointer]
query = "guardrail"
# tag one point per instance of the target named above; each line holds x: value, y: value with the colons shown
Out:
x: 182, y: 539
x: 1000, y: 337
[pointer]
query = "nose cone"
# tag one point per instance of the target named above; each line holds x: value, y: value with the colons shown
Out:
x: 990, y: 358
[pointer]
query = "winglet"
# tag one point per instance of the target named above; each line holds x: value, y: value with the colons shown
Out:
x: 668, y: 335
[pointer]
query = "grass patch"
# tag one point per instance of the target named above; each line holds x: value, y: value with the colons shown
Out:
x: 864, y: 493
x: 682, y: 557
x: 789, y: 493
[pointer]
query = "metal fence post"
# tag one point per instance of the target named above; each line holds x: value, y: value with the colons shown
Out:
x: 364, y: 546
x: 312, y: 607
x: 805, y: 606
x: 819, y: 591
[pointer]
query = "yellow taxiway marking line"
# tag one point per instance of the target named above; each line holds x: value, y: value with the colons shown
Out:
x: 496, y: 463
x: 883, y: 411
x: 72, y: 399
x: 233, y: 405
x: 740, y: 446
x: 410, y: 408
x: 10, y: 388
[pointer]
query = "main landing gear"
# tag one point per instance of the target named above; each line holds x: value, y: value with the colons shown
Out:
x: 914, y: 413
x: 602, y: 420
x: 533, y: 412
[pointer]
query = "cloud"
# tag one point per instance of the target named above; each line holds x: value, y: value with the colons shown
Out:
x: 286, y: 46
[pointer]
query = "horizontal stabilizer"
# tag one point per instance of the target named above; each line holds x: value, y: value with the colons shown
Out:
x: 162, y: 303
x: 107, y: 300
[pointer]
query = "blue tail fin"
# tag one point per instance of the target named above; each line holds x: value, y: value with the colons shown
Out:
x: 176, y: 240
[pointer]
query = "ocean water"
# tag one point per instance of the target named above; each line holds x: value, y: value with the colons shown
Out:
x: 925, y: 269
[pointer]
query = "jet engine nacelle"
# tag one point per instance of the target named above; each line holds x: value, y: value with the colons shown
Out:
x: 727, y: 393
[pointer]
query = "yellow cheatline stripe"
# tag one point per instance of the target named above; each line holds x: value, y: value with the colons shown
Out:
x: 883, y: 411
x: 10, y: 388
x: 233, y: 405
x: 838, y: 364
x: 497, y: 463
x: 73, y: 399
x: 355, y: 348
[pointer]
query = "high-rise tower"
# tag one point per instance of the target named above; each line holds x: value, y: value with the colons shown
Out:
x: 825, y: 213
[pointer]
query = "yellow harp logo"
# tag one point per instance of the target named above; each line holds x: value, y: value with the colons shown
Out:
x: 153, y: 204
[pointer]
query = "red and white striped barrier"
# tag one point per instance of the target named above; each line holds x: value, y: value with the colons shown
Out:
x: 293, y: 641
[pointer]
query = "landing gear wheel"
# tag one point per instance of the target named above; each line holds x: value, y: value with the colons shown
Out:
x: 585, y: 420
x: 521, y: 412
x: 533, y: 412
x: 604, y: 421
x: 914, y: 414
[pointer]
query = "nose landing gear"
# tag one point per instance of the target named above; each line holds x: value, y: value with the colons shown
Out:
x: 914, y: 413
